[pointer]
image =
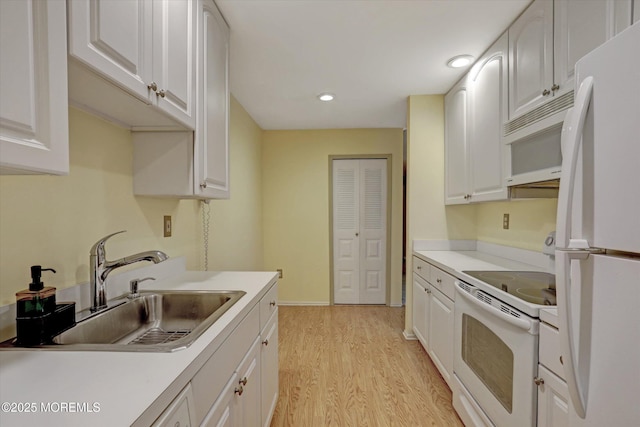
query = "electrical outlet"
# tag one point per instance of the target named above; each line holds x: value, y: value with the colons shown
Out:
x: 505, y: 221
x: 167, y: 226
x: 279, y: 270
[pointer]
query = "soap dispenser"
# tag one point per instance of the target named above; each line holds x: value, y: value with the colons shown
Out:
x: 38, y: 317
x: 38, y: 300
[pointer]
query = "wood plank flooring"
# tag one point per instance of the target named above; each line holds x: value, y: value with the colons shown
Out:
x: 351, y: 366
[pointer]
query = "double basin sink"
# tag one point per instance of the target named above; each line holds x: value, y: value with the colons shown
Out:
x: 155, y: 321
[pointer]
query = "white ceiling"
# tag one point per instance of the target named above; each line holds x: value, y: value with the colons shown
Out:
x: 372, y: 54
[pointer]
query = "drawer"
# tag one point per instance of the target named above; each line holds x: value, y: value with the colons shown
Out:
x: 268, y: 305
x: 421, y: 268
x: 550, y: 349
x: 444, y: 282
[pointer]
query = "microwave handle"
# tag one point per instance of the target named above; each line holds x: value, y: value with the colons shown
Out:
x: 571, y: 137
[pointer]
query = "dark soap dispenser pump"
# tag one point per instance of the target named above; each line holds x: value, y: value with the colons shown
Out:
x: 38, y: 300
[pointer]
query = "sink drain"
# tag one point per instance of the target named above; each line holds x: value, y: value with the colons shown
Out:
x: 160, y: 336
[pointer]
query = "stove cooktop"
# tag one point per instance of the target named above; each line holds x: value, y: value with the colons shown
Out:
x: 531, y: 286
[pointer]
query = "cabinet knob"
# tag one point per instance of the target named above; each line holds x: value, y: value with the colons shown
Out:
x: 265, y: 342
x: 238, y: 391
x: 439, y: 280
x: 555, y: 87
x: 428, y: 291
x: 243, y: 381
x: 272, y: 303
x: 545, y: 92
x: 153, y: 86
x: 161, y: 93
x: 538, y: 380
x: 419, y: 267
x: 357, y: 234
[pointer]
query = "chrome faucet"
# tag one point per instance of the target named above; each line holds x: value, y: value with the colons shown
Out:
x: 99, y: 269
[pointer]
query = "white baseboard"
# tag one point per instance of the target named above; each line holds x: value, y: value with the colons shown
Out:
x: 409, y: 336
x: 303, y: 303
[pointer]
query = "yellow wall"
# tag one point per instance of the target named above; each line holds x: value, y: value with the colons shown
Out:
x: 529, y: 222
x: 236, y: 224
x: 54, y: 220
x: 296, y: 205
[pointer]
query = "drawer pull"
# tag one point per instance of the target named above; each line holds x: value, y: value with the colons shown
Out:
x: 265, y: 342
x: 272, y: 303
x: 538, y: 380
x: 238, y: 391
x: 243, y: 381
x: 419, y: 267
x: 439, y: 280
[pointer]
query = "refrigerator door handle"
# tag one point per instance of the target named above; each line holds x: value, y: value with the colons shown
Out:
x: 571, y: 138
x: 577, y: 390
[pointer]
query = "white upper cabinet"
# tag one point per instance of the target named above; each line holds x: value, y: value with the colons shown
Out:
x: 476, y: 160
x: 455, y: 144
x: 636, y: 11
x: 212, y: 135
x: 193, y: 164
x: 581, y: 26
x: 34, y: 125
x: 488, y: 156
x: 146, y: 48
x: 531, y: 58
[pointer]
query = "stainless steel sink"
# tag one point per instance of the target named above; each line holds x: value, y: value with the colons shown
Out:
x: 156, y: 321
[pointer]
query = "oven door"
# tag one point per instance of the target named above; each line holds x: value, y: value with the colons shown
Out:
x: 496, y: 356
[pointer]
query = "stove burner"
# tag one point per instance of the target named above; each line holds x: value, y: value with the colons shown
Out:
x: 531, y: 286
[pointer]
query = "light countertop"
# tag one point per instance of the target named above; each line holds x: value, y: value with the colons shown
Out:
x: 118, y: 386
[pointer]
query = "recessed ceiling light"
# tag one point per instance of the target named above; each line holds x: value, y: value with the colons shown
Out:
x: 326, y: 97
x: 460, y: 61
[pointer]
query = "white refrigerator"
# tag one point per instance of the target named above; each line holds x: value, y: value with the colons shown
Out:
x: 598, y: 237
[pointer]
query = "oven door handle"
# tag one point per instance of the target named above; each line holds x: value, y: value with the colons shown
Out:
x: 519, y: 323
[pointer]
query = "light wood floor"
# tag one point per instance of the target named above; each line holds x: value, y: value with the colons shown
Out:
x: 351, y: 366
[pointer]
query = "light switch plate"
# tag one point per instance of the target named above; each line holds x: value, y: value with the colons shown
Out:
x: 167, y: 226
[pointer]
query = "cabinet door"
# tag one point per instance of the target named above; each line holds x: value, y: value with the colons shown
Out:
x: 455, y: 145
x: 420, y: 310
x: 581, y: 26
x: 34, y: 133
x: 553, y: 400
x: 441, y: 334
x: 224, y: 412
x: 180, y: 412
x: 115, y: 39
x: 531, y: 58
x: 269, y: 369
x: 488, y: 155
x: 174, y: 61
x: 212, y: 139
x: 249, y: 379
x: 636, y: 11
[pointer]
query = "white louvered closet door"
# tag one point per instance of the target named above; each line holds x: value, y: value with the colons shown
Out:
x: 359, y: 231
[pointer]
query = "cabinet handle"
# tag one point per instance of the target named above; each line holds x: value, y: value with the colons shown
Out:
x: 357, y: 234
x: 561, y: 361
x: 238, y: 391
x: 272, y: 303
x: 265, y: 342
x: 153, y: 86
x: 243, y: 381
x: 419, y: 267
x: 555, y: 87
x: 439, y: 280
x: 203, y: 185
x: 545, y: 92
x: 428, y: 291
x: 161, y: 93
x: 538, y: 380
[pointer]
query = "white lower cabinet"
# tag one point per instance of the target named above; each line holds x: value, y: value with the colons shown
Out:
x: 269, y: 369
x: 180, y: 413
x: 553, y: 394
x: 441, y: 333
x: 433, y: 320
x: 238, y: 384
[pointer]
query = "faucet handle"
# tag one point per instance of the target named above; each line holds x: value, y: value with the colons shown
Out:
x: 98, y: 247
x: 133, y: 286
